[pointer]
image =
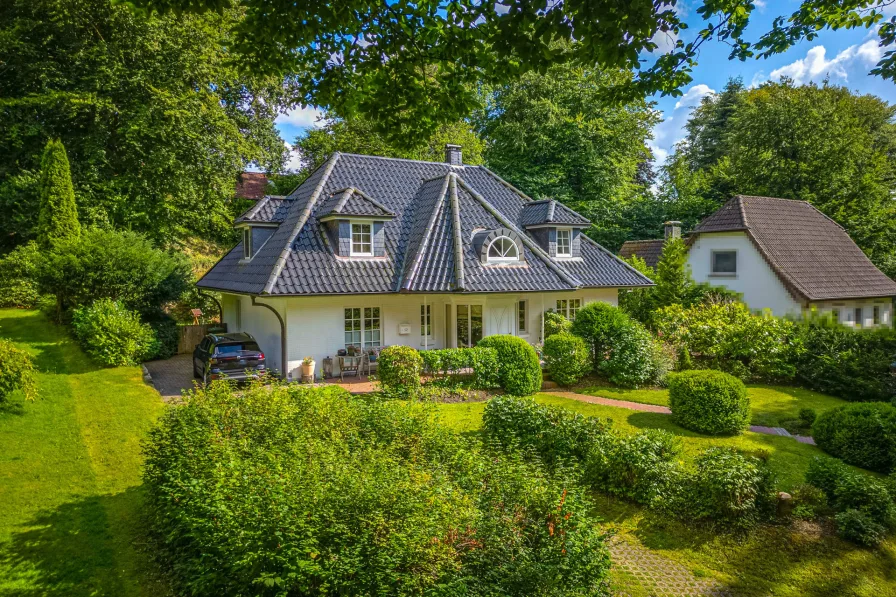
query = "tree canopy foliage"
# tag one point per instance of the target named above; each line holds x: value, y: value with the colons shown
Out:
x: 412, y: 65
x: 821, y: 144
x: 156, y: 118
x: 551, y: 136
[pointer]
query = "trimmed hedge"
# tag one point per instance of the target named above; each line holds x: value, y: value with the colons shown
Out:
x: 519, y: 371
x: 399, y: 370
x: 710, y: 402
x: 726, y: 487
x: 566, y: 358
x: 862, y: 434
x: 307, y: 491
x: 483, y: 362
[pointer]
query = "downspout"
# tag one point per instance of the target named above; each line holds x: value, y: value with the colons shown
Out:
x: 283, y: 362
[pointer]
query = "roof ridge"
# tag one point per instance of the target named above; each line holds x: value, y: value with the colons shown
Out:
x: 384, y: 157
x: 459, y: 280
x: 253, y: 211
x: 551, y: 207
x: 743, y: 212
x: 300, y: 223
x: 372, y: 200
x: 346, y: 195
x: 563, y: 274
x: 571, y: 210
x: 424, y: 242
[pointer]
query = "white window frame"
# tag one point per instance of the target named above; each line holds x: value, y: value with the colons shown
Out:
x: 522, y: 308
x: 426, y: 322
x: 362, y: 330
x: 502, y: 258
x: 568, y: 233
x: 247, y: 242
x: 712, y: 263
x: 568, y: 310
x: 352, y: 252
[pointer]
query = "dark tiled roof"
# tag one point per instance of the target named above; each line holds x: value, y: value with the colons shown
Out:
x: 352, y: 202
x: 814, y: 257
x: 421, y: 242
x: 252, y: 185
x: 648, y: 250
x: 549, y: 211
x: 268, y: 209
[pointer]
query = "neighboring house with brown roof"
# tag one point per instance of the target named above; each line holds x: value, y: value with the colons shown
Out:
x: 252, y: 185
x: 786, y: 256
x: 371, y: 251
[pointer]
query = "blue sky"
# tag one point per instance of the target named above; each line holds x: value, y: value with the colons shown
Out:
x: 845, y: 57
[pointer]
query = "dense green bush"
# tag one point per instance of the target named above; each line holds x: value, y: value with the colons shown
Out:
x: 807, y: 416
x: 167, y: 334
x: 726, y: 336
x: 17, y: 276
x: 112, y: 334
x: 849, y: 363
x: 119, y: 265
x: 600, y: 325
x: 451, y: 362
x: 555, y: 323
x: 710, y: 402
x: 16, y: 372
x: 399, y: 370
x: 725, y: 487
x: 847, y: 490
x: 566, y: 358
x: 297, y: 491
x: 519, y: 372
x: 862, y: 434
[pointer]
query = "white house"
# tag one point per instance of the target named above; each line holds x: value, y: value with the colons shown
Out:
x: 785, y: 256
x: 373, y: 251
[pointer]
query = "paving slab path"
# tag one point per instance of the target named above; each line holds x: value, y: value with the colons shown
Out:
x: 656, y: 408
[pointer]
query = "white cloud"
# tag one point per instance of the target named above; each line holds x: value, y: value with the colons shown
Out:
x: 816, y: 66
x: 665, y: 42
x: 693, y: 96
x: 301, y: 117
x: 294, y: 162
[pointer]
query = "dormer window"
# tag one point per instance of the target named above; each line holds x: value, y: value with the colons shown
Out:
x: 564, y: 242
x: 247, y: 243
x: 503, y: 249
x: 362, y: 239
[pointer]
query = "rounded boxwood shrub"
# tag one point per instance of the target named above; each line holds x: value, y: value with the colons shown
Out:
x: 600, y: 325
x: 863, y: 434
x: 566, y: 358
x: 16, y: 372
x: 519, y: 372
x: 710, y: 402
x: 112, y: 334
x: 399, y: 370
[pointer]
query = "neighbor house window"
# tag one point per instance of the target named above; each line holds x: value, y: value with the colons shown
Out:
x: 362, y: 239
x: 568, y: 308
x: 426, y: 320
x: 521, y: 317
x: 724, y: 263
x: 858, y: 316
x: 875, y: 314
x: 247, y: 243
x: 362, y: 327
x: 503, y: 249
x: 564, y: 242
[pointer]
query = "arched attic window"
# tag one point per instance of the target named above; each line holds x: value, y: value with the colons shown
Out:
x: 503, y: 249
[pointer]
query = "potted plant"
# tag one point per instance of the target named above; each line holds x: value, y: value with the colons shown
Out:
x: 308, y: 367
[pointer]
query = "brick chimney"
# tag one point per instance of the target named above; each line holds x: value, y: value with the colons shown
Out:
x: 454, y: 155
x: 672, y: 229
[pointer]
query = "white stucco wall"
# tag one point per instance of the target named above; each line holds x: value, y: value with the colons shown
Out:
x: 755, y: 280
x: 315, y: 325
x: 241, y: 316
x: 847, y: 311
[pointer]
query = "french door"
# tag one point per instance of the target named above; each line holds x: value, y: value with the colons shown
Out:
x: 468, y: 325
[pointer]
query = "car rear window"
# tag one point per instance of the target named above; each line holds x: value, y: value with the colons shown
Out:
x: 237, y: 347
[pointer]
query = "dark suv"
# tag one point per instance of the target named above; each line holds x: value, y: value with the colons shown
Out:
x: 234, y: 356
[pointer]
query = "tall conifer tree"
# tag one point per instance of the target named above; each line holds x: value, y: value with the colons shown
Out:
x: 58, y: 219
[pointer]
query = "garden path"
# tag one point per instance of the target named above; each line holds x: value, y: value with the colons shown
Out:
x: 655, y: 408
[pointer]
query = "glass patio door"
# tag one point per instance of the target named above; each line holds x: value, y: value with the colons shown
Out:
x: 468, y: 325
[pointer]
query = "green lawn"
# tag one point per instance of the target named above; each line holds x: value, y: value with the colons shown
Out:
x: 70, y: 497
x: 793, y: 561
x: 773, y: 406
